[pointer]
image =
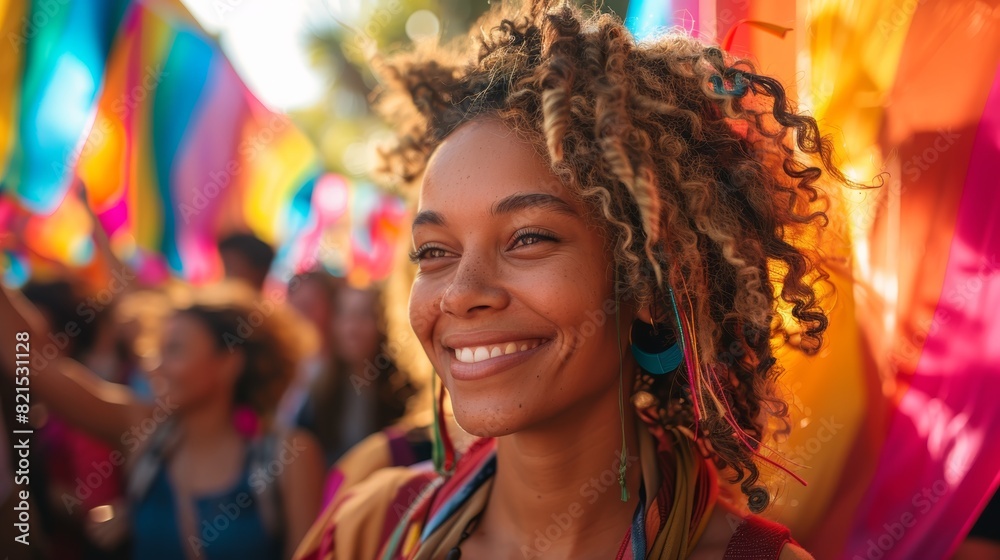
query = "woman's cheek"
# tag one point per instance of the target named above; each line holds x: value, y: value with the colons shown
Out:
x: 423, y: 309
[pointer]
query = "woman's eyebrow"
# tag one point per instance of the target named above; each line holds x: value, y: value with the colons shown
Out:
x: 516, y: 202
x: 508, y: 205
x: 428, y: 217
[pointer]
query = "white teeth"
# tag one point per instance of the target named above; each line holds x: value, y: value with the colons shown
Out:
x: 466, y: 355
x: 471, y: 355
x: 481, y: 354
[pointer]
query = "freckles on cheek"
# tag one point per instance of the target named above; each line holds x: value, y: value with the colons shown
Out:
x: 424, y: 310
x: 418, y: 321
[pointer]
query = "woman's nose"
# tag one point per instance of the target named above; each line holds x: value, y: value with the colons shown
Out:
x: 475, y: 287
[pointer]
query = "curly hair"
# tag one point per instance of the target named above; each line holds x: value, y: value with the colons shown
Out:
x: 704, y: 178
x: 271, y: 340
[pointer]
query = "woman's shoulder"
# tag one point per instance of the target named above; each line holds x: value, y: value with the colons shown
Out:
x: 734, y: 534
x: 361, y: 518
x: 793, y: 551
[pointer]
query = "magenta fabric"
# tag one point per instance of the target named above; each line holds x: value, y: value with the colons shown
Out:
x: 940, y: 452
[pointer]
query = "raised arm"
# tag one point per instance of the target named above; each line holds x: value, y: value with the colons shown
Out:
x: 301, y: 485
x: 105, y: 410
x: 102, y: 245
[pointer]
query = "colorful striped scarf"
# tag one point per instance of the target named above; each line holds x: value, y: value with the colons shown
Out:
x: 402, y: 514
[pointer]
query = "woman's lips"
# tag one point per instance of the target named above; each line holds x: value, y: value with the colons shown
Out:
x: 477, y: 362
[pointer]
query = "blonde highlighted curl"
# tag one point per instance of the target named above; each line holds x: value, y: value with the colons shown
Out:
x: 699, y: 170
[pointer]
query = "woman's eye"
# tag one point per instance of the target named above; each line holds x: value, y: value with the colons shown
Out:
x: 426, y: 253
x: 531, y: 238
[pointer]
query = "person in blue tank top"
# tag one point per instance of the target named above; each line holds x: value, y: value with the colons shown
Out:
x: 199, y: 486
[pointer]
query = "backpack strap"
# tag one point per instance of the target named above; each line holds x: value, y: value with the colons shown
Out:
x: 146, y: 464
x: 263, y: 453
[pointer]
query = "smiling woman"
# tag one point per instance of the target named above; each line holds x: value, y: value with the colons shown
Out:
x: 512, y: 264
x: 606, y: 234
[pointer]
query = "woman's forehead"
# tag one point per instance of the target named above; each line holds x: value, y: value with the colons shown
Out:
x: 482, y: 163
x: 185, y: 325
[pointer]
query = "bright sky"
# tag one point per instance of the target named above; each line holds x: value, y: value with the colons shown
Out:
x: 266, y: 40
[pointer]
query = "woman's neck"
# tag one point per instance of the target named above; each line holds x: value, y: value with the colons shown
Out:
x: 206, y: 426
x: 556, y: 489
x: 210, y: 454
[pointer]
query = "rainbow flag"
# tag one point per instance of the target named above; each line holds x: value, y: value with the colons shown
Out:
x: 893, y: 419
x: 52, y: 60
x: 352, y: 231
x: 181, y: 151
x: 167, y: 143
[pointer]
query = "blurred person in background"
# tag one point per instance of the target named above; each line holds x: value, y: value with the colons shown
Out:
x: 361, y: 391
x: 139, y: 316
x: 313, y: 295
x: 83, y: 329
x: 246, y: 258
x: 408, y: 442
x: 197, y: 487
x: 358, y: 329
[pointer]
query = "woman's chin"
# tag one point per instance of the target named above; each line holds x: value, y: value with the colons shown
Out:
x: 491, y: 422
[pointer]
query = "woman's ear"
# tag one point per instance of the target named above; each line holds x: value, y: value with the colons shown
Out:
x: 654, y: 313
x: 645, y: 314
x: 233, y: 364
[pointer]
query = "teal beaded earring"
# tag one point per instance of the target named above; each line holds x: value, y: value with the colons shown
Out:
x: 651, y: 349
x: 655, y: 348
